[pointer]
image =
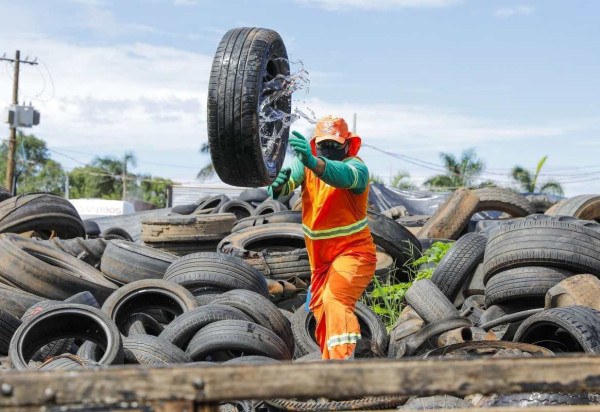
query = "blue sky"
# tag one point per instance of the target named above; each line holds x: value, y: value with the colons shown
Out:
x: 514, y: 80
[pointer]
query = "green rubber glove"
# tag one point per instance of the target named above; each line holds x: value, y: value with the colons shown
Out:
x: 281, y: 179
x: 303, y: 150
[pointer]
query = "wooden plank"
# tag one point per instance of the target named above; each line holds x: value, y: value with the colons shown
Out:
x: 330, y: 379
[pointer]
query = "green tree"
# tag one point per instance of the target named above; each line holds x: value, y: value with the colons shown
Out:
x: 34, y: 170
x: 461, y: 172
x: 528, y: 180
x: 401, y: 180
x: 154, y: 190
x: 208, y: 170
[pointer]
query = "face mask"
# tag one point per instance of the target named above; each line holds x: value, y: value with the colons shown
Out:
x: 333, y: 153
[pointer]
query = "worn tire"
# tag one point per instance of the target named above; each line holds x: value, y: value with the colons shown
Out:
x: 144, y: 295
x: 436, y: 402
x: 282, y: 237
x: 503, y: 200
x: 254, y: 196
x: 67, y: 320
x: 459, y: 264
x: 244, y: 59
x: 43, y: 213
x: 152, y: 350
x: 563, y: 243
x: 211, y: 205
x: 238, y: 336
x: 68, y: 362
x: 124, y: 262
x: 366, y: 403
x: 303, y: 327
x: 141, y: 324
x: 45, y: 271
x: 181, y: 330
x: 579, y: 327
x: 526, y: 400
x: 269, y: 206
x: 238, y: 207
x: 215, y: 270
x: 16, y: 301
x: 8, y: 326
x: 286, y: 216
x: 261, y: 311
x: 393, y: 238
x: 116, y: 233
x: 429, y: 301
x: 582, y: 207
x: 528, y: 283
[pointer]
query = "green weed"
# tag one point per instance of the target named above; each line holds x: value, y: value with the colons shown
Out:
x: 387, y: 297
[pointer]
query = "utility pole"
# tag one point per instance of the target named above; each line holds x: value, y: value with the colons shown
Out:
x: 124, y: 178
x: 12, y: 143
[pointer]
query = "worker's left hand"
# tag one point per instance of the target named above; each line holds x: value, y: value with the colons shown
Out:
x: 303, y: 150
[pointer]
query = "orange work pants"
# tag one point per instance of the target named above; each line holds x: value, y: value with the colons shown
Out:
x: 335, y: 288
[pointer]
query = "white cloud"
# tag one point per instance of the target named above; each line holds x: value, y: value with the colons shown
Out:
x: 378, y: 4
x: 522, y: 10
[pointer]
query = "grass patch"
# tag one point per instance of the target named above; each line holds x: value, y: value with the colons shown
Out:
x: 387, y: 298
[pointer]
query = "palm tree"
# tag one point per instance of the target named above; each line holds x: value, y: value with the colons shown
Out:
x: 128, y: 158
x: 401, y: 180
x: 208, y: 170
x: 529, y: 181
x: 461, y: 172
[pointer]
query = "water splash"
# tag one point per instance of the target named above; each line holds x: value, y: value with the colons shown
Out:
x: 275, y: 94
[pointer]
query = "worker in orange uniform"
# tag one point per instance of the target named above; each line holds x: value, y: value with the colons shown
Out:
x: 334, y: 219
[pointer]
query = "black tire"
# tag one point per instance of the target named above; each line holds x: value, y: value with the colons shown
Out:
x: 16, y: 301
x: 429, y: 301
x: 568, y: 329
x: 393, y: 238
x: 8, y: 326
x: 144, y: 295
x: 89, y: 251
x: 83, y: 298
x: 269, y: 206
x: 211, y: 205
x: 582, y: 207
x: 239, y: 208
x: 254, y: 196
x: 186, y: 209
x: 116, y: 233
x: 43, y: 213
x: 280, y: 237
x: 245, y: 60
x: 304, y: 324
x: 45, y: 271
x: 152, y: 350
x: 503, y: 200
x: 181, y: 330
x: 141, y: 324
x: 92, y: 230
x: 285, y: 216
x: 215, y: 270
x: 436, y: 402
x: 526, y: 400
x: 459, y: 264
x: 66, y: 320
x: 542, y: 241
x: 226, y: 339
x: 261, y: 311
x: 124, y: 262
x: 528, y: 283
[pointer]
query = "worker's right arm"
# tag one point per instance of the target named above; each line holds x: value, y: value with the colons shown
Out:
x: 287, y: 186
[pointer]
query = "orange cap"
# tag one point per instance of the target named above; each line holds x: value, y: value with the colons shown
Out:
x: 335, y: 128
x: 331, y: 128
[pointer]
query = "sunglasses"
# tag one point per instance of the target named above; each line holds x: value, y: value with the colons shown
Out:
x: 330, y: 144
